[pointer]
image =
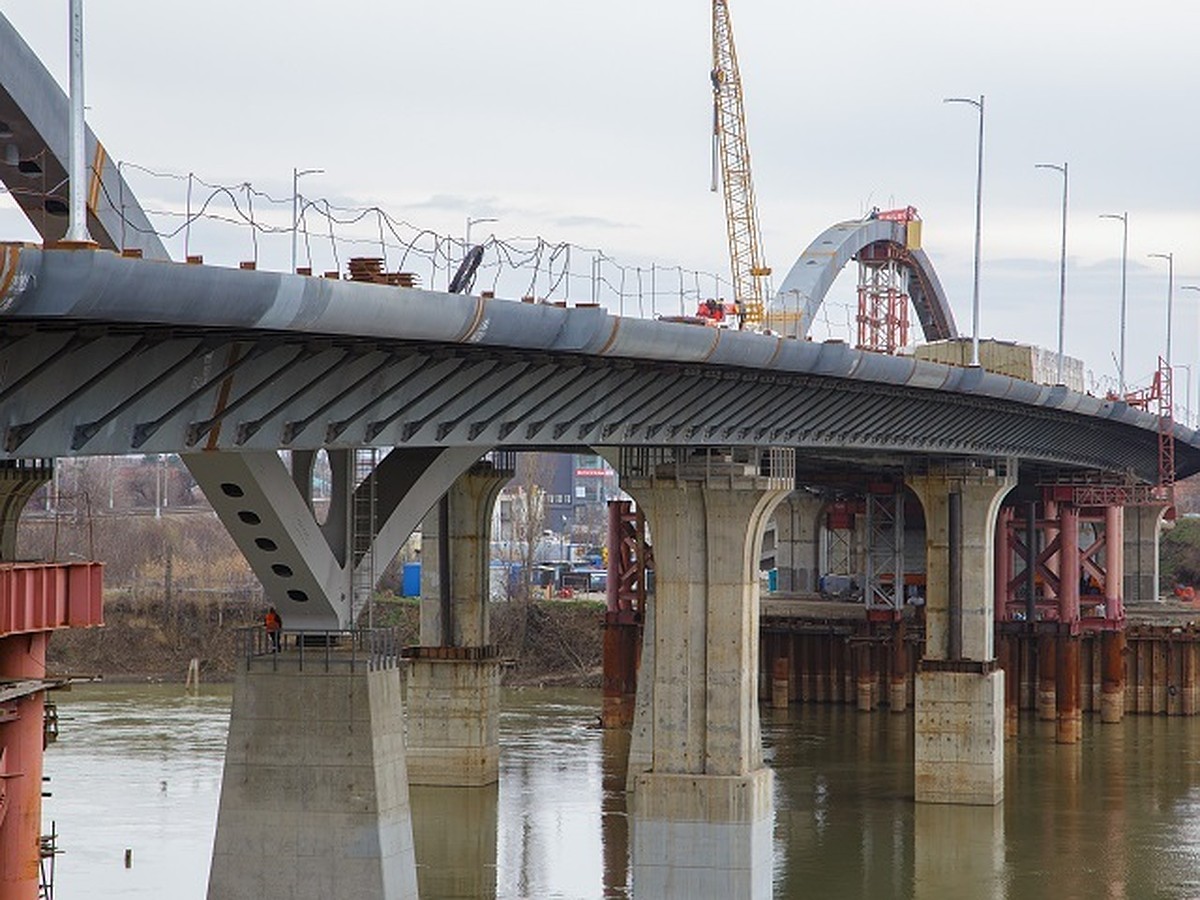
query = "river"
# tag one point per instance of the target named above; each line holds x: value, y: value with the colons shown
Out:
x: 139, y: 768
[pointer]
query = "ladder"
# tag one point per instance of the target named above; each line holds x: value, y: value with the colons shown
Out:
x: 363, y: 529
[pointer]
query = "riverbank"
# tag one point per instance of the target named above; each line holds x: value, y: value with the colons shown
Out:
x: 555, y: 642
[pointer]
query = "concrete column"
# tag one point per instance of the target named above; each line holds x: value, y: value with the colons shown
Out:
x: 959, y: 740
x: 1114, y: 563
x: 464, y: 621
x: 798, y: 542
x: 705, y: 785
x: 19, y: 479
x: 1143, y: 526
x: 314, y: 797
x: 1069, y: 718
x: 453, y: 680
x: 981, y: 497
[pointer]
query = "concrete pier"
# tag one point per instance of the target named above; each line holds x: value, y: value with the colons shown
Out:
x: 959, y: 743
x: 696, y: 728
x: 453, y: 678
x: 314, y: 798
x: 1141, y: 532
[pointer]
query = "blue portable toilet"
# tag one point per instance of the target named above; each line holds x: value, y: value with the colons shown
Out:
x: 410, y: 584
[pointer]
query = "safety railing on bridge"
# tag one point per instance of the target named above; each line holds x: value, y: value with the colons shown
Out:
x: 350, y: 649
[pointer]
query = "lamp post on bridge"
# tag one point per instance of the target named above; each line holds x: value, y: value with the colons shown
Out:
x: 1170, y: 258
x: 1123, y: 218
x: 978, y: 104
x: 77, y: 230
x: 1187, y: 402
x: 297, y: 174
x: 1192, y: 287
x: 467, y: 235
x: 1062, y: 266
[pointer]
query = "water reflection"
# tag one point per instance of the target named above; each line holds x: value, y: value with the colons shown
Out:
x: 1116, y: 817
x: 454, y: 838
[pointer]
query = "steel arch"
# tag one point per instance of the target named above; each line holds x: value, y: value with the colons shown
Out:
x: 804, y: 288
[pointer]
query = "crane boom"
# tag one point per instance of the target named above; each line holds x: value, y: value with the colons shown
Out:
x: 732, y: 151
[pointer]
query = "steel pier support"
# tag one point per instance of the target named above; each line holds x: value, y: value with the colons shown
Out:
x: 959, y: 747
x: 453, y: 678
x: 628, y: 562
x: 1069, y: 727
x: 1112, y: 690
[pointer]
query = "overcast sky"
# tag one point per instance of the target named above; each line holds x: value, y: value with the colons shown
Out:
x: 589, y: 123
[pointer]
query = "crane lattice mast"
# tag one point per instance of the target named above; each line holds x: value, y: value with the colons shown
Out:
x: 731, y: 153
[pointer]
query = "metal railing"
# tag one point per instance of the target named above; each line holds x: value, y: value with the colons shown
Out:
x: 352, y: 649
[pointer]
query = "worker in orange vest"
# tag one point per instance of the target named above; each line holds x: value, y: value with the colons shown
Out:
x: 274, y: 625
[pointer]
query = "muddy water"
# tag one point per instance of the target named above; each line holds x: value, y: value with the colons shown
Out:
x: 139, y: 767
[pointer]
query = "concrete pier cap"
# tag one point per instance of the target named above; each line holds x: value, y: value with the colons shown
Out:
x: 959, y: 729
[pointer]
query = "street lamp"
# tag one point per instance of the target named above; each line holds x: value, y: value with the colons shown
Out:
x: 77, y: 134
x: 1123, y: 218
x: 1192, y: 287
x: 297, y: 174
x: 978, y: 104
x: 1187, y: 403
x: 1170, y: 258
x: 467, y: 235
x: 1062, y: 266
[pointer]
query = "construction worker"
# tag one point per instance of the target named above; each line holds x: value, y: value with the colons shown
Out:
x: 273, y: 623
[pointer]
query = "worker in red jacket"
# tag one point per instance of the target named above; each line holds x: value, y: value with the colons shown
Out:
x: 273, y: 623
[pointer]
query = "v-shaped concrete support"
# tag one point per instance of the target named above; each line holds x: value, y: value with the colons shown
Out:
x: 307, y: 569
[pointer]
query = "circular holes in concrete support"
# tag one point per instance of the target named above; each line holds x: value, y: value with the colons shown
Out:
x: 281, y: 570
x: 250, y: 518
x: 229, y: 489
x: 298, y: 596
x: 266, y: 544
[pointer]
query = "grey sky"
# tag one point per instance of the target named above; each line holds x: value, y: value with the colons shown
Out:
x: 589, y: 123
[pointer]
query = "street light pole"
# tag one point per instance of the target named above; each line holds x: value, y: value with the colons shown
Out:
x: 1124, y: 220
x: 978, y: 104
x: 76, y: 159
x: 297, y: 174
x: 1192, y: 287
x: 1170, y: 258
x: 1062, y: 266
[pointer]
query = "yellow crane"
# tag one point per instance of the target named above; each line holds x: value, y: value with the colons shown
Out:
x: 731, y: 154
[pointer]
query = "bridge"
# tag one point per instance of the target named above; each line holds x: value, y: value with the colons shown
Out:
x: 108, y: 351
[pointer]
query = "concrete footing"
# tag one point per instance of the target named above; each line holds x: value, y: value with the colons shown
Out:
x: 314, y: 799
x: 959, y: 744
x: 703, y: 835
x: 453, y: 721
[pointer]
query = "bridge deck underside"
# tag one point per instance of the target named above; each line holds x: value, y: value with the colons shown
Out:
x: 96, y: 389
